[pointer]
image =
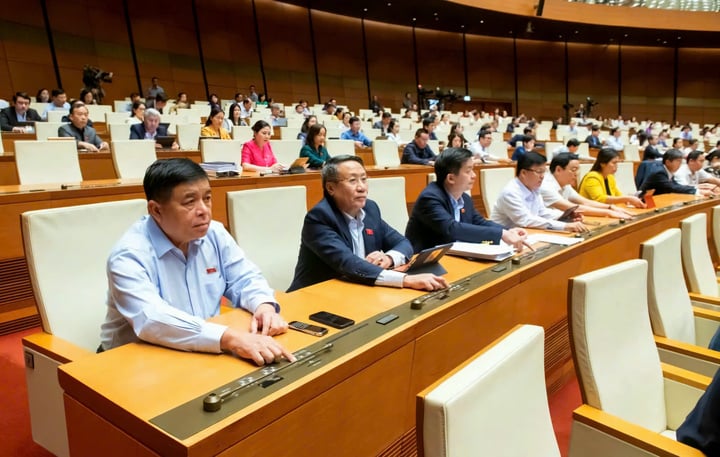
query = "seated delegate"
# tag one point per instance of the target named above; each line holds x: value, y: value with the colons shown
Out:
x: 662, y: 179
x: 444, y: 213
x: 169, y: 271
x: 558, y: 190
x: 418, y: 151
x: 150, y: 128
x: 314, y: 147
x: 520, y: 204
x: 20, y: 111
x: 345, y: 237
x: 599, y: 184
x: 257, y: 153
x: 214, y: 126
x: 354, y: 133
x: 78, y: 128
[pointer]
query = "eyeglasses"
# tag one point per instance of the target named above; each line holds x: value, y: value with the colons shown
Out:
x: 354, y: 181
x: 537, y: 172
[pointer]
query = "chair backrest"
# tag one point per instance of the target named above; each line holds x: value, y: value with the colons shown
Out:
x: 625, y: 178
x: 97, y: 112
x: 66, y: 250
x: 188, y: 136
x: 116, y: 118
x: 434, y: 146
x: 389, y: 194
x: 715, y: 227
x: 221, y: 151
x: 583, y: 170
x: 494, y: 404
x: 242, y: 133
x: 56, y: 116
x: 615, y: 356
x: 492, y: 181
x: 131, y: 158
x: 286, y: 151
x: 340, y: 147
x: 631, y: 153
x: 267, y: 223
x: 385, y: 153
x: 696, y: 259
x: 499, y: 149
x: 44, y: 130
x: 289, y: 133
x: 2, y: 148
x: 41, y: 162
x: 550, y: 148
x: 669, y: 305
x: 122, y: 105
x: 119, y: 132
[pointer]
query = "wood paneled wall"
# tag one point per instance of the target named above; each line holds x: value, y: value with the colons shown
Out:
x: 277, y: 51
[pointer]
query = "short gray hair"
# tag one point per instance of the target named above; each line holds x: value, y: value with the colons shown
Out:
x: 330, y: 173
x: 152, y: 112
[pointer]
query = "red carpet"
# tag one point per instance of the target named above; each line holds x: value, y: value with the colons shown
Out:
x: 562, y: 404
x: 14, y: 418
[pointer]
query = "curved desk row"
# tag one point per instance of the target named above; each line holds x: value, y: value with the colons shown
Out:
x: 359, y: 400
x: 17, y: 306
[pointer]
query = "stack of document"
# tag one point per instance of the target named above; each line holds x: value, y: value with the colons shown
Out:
x: 482, y: 251
x: 220, y: 169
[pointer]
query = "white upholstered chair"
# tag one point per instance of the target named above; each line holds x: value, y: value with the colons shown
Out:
x: 633, y: 403
x: 44, y: 130
x: 494, y: 404
x: 682, y: 332
x: 625, y: 178
x: 492, y: 181
x: 42, y: 162
x: 119, y: 132
x: 550, y: 147
x: 131, y: 158
x: 631, y: 153
x: 385, y: 153
x: 696, y: 260
x: 389, y: 194
x: 340, y: 147
x: 242, y: 133
x: 286, y: 151
x: 267, y: 224
x: 221, y: 151
x: 66, y: 250
x: 188, y: 135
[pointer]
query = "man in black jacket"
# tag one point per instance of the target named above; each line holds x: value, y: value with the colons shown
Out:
x: 11, y: 116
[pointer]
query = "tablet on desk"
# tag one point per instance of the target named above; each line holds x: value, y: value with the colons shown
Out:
x: 427, y: 261
x: 569, y: 214
x: 298, y: 166
x: 165, y: 141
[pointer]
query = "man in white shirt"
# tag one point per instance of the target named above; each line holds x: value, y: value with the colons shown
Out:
x: 520, y: 204
x: 691, y: 173
x: 59, y: 102
x: 557, y: 190
x: 614, y: 141
x: 481, y: 149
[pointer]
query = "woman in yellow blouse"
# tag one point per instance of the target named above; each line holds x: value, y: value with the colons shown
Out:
x: 213, y: 126
x: 599, y: 183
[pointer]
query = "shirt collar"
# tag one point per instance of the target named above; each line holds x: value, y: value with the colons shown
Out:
x: 359, y: 219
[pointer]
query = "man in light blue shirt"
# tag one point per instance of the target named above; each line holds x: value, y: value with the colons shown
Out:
x: 614, y: 141
x: 169, y: 271
x: 355, y: 134
x: 59, y: 103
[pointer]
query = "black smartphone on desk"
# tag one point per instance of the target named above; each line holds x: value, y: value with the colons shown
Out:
x: 333, y: 320
x: 314, y: 330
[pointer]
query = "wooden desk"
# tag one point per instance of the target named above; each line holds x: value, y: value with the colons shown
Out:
x: 17, y: 304
x: 360, y: 404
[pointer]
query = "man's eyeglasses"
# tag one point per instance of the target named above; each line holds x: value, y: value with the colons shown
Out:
x: 537, y: 172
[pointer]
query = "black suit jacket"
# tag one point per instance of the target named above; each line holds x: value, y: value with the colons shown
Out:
x: 593, y: 141
x: 433, y: 221
x: 8, y: 118
x: 326, y: 246
x: 651, y: 153
x: 701, y: 428
x: 137, y: 131
x: 659, y: 180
